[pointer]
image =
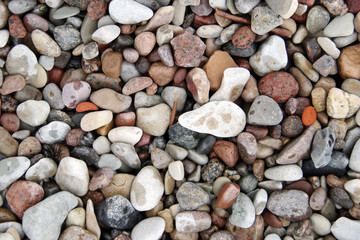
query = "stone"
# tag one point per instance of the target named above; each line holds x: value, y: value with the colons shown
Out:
x: 183, y: 137
x: 8, y: 145
x: 171, y: 94
x: 324, y: 65
x: 352, y: 187
x: 227, y: 152
x: 292, y: 126
x: 336, y: 8
x: 43, y: 169
x: 126, y: 153
x: 245, y: 6
x: 12, y: 169
x: 4, y: 13
x: 67, y: 37
x: 160, y: 159
x: 143, y: 100
x: 176, y: 170
x: 44, y: 220
x: 340, y: 104
x: 95, y: 120
x: 341, y: 198
x: 106, y: 34
x: 152, y: 228
x: 44, y: 44
x: 192, y: 221
x: 199, y: 85
x: 72, y: 175
x: 354, y: 159
x: 54, y: 132
x: 305, y: 66
x: 117, y: 212
x: 264, y: 111
x: 345, y: 228
x: 243, y: 212
x: 190, y: 196
x: 349, y: 57
x: 209, y: 31
x: 52, y: 95
x: 284, y: 8
x: 263, y: 20
x: 162, y: 74
x: 227, y: 195
x: 136, y: 84
x: 109, y: 99
x: 317, y: 19
x: 329, y: 47
x: 322, y: 147
x: 144, y: 43
x: 101, y: 179
x: 154, y: 120
x: 291, y: 205
x: 147, y: 189
x: 120, y: 185
x: 232, y: 84
x: 129, y: 12
x: 219, y: 118
x: 76, y: 233
x: 188, y: 50
x: 125, y: 134
x: 4, y: 37
x: 289, y: 172
x: 218, y: 62
x: 340, y: 26
x: 243, y: 37
x: 21, y: 60
x: 75, y: 92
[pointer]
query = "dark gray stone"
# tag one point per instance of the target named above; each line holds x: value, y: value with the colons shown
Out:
x: 212, y: 170
x: 206, y: 144
x: 87, y: 154
x: 237, y: 52
x: 183, y: 137
x: 341, y: 198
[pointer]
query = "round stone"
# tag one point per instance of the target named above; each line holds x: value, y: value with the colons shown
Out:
x: 33, y: 112
x: 75, y: 92
x: 152, y: 228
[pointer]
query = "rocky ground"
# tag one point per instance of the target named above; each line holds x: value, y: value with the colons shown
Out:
x: 179, y: 119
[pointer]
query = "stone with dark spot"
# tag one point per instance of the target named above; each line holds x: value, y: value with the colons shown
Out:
x: 183, y: 137
x: 87, y: 154
x: 243, y: 37
x: 212, y: 170
x: 292, y: 205
x: 16, y: 27
x: 74, y: 137
x: 190, y: 196
x: 238, y: 52
x: 67, y: 36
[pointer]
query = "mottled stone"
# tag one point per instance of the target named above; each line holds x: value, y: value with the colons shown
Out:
x: 264, y: 111
x: 190, y: 196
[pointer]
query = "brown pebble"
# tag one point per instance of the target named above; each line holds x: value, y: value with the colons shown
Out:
x: 144, y: 140
x: 292, y: 126
x: 125, y: 119
x: 61, y: 151
x: 162, y: 74
x: 300, y: 185
x: 29, y: 147
x: 227, y: 195
x: 96, y: 197
x: 6, y: 215
x: 318, y: 199
x: 227, y: 152
x: 144, y: 43
x: 12, y: 84
x: 10, y: 121
x: 74, y: 137
x: 271, y: 219
x: 111, y: 64
x: 333, y: 181
x: 259, y: 132
x: 258, y: 168
x: 136, y: 84
x: 127, y: 29
x: 101, y: 179
x: 16, y: 27
x: 217, y: 220
x: 152, y: 89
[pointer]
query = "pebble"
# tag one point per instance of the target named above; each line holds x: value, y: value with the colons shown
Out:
x: 263, y: 20
x: 329, y: 47
x: 4, y: 37
x: 289, y: 204
x: 72, y: 175
x: 227, y: 195
x: 125, y: 134
x: 75, y: 92
x: 117, y: 212
x: 151, y: 228
x: 21, y: 60
x: 176, y: 170
x: 264, y: 111
x: 192, y: 221
x: 345, y: 228
x: 220, y: 118
x: 190, y: 196
x: 44, y: 44
x: 112, y: 65
x: 322, y: 146
x: 43, y: 169
x: 29, y: 147
x: 340, y: 26
x: 188, y: 139
x: 95, y: 120
x: 354, y: 159
x: 33, y: 112
x: 346, y: 61
x: 12, y: 169
x: 324, y: 65
x: 75, y: 232
x: 154, y: 120
x: 289, y: 172
x: 4, y: 13
x: 136, y: 84
x: 109, y: 99
x: 54, y: 132
x: 67, y: 37
x: 126, y: 153
x: 171, y: 94
x: 305, y: 66
x: 317, y: 19
x: 284, y: 8
x: 243, y: 212
x: 178, y: 153
x: 101, y: 179
x: 260, y: 199
x: 340, y: 104
x: 106, y: 34
x: 44, y: 220
x: 147, y: 189
x: 227, y: 152
x: 160, y: 159
x: 129, y: 12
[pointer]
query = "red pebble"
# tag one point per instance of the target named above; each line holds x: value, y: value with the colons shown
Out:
x: 243, y: 37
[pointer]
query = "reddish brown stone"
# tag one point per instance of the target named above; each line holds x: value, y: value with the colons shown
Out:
x: 348, y: 60
x: 204, y: 20
x: 33, y: 21
x: 96, y: 197
x: 152, y: 89
x: 292, y: 126
x: 335, y: 182
x: 258, y: 168
x: 55, y: 75
x: 280, y: 86
x: 162, y: 74
x: 101, y: 179
x: 291, y: 106
x: 122, y: 237
x: 353, y: 5
x: 6, y: 215
x: 10, y: 121
x: 243, y: 37
x: 309, y: 3
x: 243, y: 62
x: 180, y: 75
x: 255, y: 232
x: 127, y: 29
x: 303, y: 103
x: 90, y: 66
x: 217, y: 220
x: 125, y: 119
x: 22, y: 195
x: 74, y: 137
x: 271, y: 219
x: 259, y: 132
x: 300, y: 185
x: 205, y: 235
x: 154, y: 55
x: 143, y: 155
x: 12, y: 83
x: 188, y: 50
x: 227, y: 195
x: 312, y: 49
x: 61, y: 151
x: 111, y: 64
x: 144, y: 140
x: 298, y: 18
x: 4, y: 51
x: 16, y: 27
x: 96, y: 9
x: 227, y: 152
x: 136, y: 84
x: 8, y: 103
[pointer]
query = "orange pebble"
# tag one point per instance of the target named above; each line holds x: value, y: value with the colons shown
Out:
x: 308, y: 116
x: 86, y: 106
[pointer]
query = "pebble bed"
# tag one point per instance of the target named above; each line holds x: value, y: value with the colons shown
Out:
x: 179, y: 119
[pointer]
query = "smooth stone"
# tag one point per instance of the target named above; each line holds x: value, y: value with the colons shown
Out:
x: 349, y: 58
x: 136, y: 84
x: 212, y: 170
x: 21, y: 60
x: 109, y: 99
x: 192, y: 221
x: 243, y: 212
x: 52, y: 95
x: 340, y: 26
x: 178, y: 153
x: 120, y: 185
x: 184, y: 137
x: 322, y: 147
x: 263, y: 20
x: 324, y: 65
x: 20, y: 7
x: 289, y: 172
x: 106, y: 34
x: 317, y: 19
x: 354, y: 157
x: 77, y: 233
x: 318, y: 199
x: 340, y: 104
x: 44, y: 44
x: 232, y: 84
x: 129, y: 12
x: 209, y: 31
x: 351, y: 137
x: 4, y: 13
x: 4, y: 37
x: 142, y: 100
x: 125, y: 134
x: 72, y: 175
x: 352, y: 187
x: 110, y: 161
x: 160, y: 159
x: 8, y: 145
x: 171, y: 94
x: 11, y: 169
x: 265, y: 60
x: 151, y: 228
x: 154, y: 120
x: 117, y: 212
x: 260, y: 199
x: 75, y: 92
x: 341, y: 42
x: 147, y: 189
x: 67, y: 37
x: 264, y: 111
x: 284, y: 8
x: 128, y: 71
x: 176, y: 170
x: 54, y: 132
x: 65, y: 12
x: 199, y: 85
x: 320, y: 224
x: 88, y: 27
x: 297, y: 149
x: 162, y: 16
x: 206, y: 144
x: 305, y: 66
x: 245, y: 6
x: 220, y: 4
x: 219, y: 118
x: 126, y: 153
x: 292, y: 205
x: 95, y: 120
x: 90, y: 51
x: 44, y: 220
x: 5, y: 226
x: 190, y: 196
x: 43, y: 169
x: 345, y: 228
x: 247, y: 147
x: 329, y: 47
